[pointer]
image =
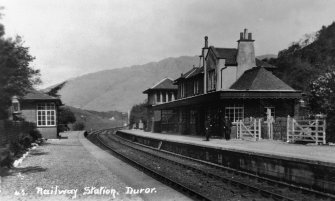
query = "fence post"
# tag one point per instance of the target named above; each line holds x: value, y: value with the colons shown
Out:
x: 237, y: 130
x: 255, y: 130
x: 259, y: 129
x: 317, y: 131
x: 324, y: 131
x: 287, y: 128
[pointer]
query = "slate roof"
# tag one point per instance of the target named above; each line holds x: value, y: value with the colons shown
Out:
x: 37, y: 95
x: 191, y: 73
x: 258, y: 78
x: 229, y: 54
x: 164, y: 84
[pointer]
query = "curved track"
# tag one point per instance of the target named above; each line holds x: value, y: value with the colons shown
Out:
x: 250, y: 187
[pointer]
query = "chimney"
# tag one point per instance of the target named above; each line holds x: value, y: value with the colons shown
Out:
x: 245, y: 53
x: 203, y: 54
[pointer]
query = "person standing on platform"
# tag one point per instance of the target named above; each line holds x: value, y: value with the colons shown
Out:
x: 209, y: 125
x: 227, y: 128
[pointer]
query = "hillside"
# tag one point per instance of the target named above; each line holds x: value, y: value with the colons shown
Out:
x: 304, y: 60
x: 119, y: 89
x: 97, y: 120
x: 267, y: 56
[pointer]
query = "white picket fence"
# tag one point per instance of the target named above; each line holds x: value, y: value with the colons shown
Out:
x: 306, y: 130
x: 249, y: 130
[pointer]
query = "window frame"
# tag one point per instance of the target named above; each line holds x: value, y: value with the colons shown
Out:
x: 158, y: 97
x: 236, y: 113
x: 273, y: 111
x: 169, y: 94
x: 46, y: 107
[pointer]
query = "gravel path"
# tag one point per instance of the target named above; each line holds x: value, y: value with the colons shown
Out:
x: 72, y: 165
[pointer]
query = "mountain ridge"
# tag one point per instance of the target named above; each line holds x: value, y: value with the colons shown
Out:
x: 120, y: 88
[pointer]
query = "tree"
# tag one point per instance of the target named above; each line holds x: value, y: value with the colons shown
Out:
x: 65, y: 117
x: 322, y: 100
x: 16, y: 75
x: 138, y: 112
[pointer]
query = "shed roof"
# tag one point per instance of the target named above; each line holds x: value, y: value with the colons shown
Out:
x: 33, y: 95
x: 258, y: 78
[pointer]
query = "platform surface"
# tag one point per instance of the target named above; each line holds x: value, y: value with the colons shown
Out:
x: 310, y: 152
x: 73, y: 164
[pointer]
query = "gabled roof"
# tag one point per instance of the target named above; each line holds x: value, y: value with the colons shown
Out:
x: 260, y: 63
x: 164, y: 84
x: 191, y: 73
x: 229, y: 54
x: 258, y: 78
x: 37, y: 95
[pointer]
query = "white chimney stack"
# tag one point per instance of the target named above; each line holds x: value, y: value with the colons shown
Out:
x: 245, y: 53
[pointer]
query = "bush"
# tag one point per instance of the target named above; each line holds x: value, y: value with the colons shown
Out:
x: 35, y: 134
x: 78, y: 126
x: 17, y: 148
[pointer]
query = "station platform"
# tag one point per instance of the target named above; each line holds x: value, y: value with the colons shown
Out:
x: 310, y: 152
x: 307, y: 166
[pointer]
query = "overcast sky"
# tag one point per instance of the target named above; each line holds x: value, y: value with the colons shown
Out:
x: 74, y: 37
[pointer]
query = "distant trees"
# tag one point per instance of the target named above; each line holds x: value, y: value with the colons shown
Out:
x: 322, y: 100
x: 138, y: 112
x: 65, y: 117
x: 303, y: 61
x: 16, y: 75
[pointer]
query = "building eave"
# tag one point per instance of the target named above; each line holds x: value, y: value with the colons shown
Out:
x: 229, y: 94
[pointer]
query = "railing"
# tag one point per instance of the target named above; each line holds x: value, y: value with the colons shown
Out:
x: 306, y: 130
x: 249, y: 130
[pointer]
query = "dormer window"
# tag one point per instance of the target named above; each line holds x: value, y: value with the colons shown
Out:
x: 16, y: 105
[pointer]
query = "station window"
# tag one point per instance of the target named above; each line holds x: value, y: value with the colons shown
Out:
x: 196, y: 87
x: 46, y: 114
x: 163, y: 97
x: 158, y: 97
x: 182, y: 90
x: 271, y: 110
x: 169, y: 97
x: 234, y: 113
x: 211, y: 80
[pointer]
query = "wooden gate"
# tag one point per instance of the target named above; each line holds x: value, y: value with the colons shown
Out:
x: 306, y: 130
x: 249, y: 130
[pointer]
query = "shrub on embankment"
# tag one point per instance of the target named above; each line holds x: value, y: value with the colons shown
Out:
x: 15, y: 139
x: 78, y: 126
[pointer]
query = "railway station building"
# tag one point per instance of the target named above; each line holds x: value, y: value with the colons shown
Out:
x: 162, y: 92
x: 228, y: 82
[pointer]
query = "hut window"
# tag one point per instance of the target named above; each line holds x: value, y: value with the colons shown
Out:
x: 234, y: 113
x: 46, y: 114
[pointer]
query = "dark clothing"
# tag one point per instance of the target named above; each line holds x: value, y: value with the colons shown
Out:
x: 227, y: 128
x: 209, y: 129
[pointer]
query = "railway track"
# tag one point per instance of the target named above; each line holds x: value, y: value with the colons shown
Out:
x: 202, y: 181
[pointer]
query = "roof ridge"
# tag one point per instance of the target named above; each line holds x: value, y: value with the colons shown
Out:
x: 162, y: 80
x: 254, y: 80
